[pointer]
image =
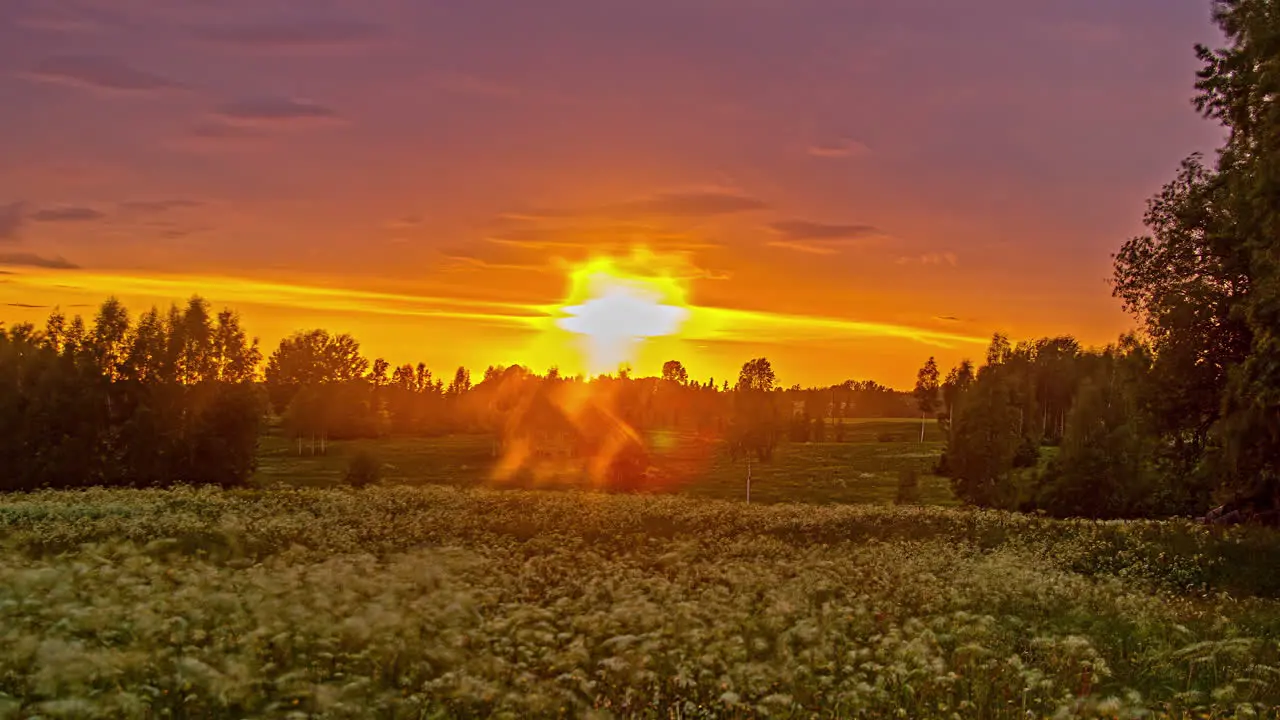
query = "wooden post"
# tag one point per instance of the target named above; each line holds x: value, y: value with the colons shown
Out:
x: 748, y: 478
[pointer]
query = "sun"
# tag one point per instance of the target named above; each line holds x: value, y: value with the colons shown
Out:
x: 614, y: 304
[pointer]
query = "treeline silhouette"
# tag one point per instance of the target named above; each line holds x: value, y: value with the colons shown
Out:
x: 1187, y: 414
x: 183, y: 396
x: 166, y: 399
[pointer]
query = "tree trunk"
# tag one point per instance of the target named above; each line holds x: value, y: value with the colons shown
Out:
x: 923, y: 416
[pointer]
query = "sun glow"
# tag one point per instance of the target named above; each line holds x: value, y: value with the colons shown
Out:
x: 615, y: 304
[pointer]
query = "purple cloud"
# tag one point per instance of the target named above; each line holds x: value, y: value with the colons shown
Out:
x: 26, y: 259
x: 68, y: 213
x: 843, y: 148
x: 820, y: 238
x: 304, y: 35
x: 275, y: 112
x: 101, y: 73
x: 159, y: 206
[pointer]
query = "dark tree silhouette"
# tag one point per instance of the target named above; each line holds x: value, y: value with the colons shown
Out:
x: 926, y: 391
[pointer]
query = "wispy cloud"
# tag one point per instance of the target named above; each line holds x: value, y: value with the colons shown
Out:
x: 67, y: 213
x: 159, y: 206
x: 296, y: 35
x: 667, y: 205
x: 219, y: 137
x: 610, y: 237
x: 276, y: 112
x: 465, y: 263
x: 26, y: 259
x: 408, y: 222
x: 688, y: 204
x: 100, y: 73
x: 69, y: 17
x: 718, y: 324
x: 930, y: 258
x: 820, y: 238
x: 314, y: 297
x: 842, y: 148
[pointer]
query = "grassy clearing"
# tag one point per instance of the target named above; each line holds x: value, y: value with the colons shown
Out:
x: 432, y: 602
x: 862, y: 469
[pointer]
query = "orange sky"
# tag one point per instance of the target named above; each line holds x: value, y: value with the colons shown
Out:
x: 844, y: 188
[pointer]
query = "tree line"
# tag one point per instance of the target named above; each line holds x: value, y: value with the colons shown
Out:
x: 164, y: 399
x: 1185, y: 413
x: 183, y: 396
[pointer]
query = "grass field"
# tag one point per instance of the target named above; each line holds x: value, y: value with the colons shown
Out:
x: 862, y: 469
x: 403, y: 602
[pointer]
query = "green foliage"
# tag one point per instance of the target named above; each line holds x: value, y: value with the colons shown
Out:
x: 161, y: 402
x: 1103, y: 468
x: 363, y: 469
x: 310, y: 359
x: 927, y: 387
x: 440, y: 603
x: 984, y: 441
x: 1206, y: 283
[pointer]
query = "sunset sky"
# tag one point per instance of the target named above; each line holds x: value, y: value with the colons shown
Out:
x: 844, y: 186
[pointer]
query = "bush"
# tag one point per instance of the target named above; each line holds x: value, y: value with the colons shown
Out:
x: 1028, y: 454
x: 627, y: 471
x: 363, y: 470
x: 943, y: 466
x: 908, y: 487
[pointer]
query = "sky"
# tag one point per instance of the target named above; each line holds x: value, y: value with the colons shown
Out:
x: 844, y: 186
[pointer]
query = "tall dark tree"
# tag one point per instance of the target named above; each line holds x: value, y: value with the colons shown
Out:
x: 673, y: 371
x: 984, y: 442
x: 461, y: 382
x: 756, y: 424
x: 1206, y: 282
x: 1240, y: 87
x: 312, y: 358
x: 958, y: 380
x: 758, y: 375
x: 110, y: 332
x: 234, y: 356
x: 926, y: 391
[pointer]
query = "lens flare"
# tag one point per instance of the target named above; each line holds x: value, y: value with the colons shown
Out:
x: 616, y: 303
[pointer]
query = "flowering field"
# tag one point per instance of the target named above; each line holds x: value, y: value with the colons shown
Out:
x: 439, y: 602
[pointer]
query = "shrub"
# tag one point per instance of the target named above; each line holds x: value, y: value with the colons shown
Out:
x: 943, y: 467
x: 363, y: 470
x: 908, y: 487
x: 1028, y: 453
x: 627, y: 471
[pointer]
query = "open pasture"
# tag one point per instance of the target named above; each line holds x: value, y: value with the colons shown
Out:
x: 863, y: 468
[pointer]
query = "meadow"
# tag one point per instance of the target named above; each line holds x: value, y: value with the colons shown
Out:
x: 861, y: 468
x: 413, y: 602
